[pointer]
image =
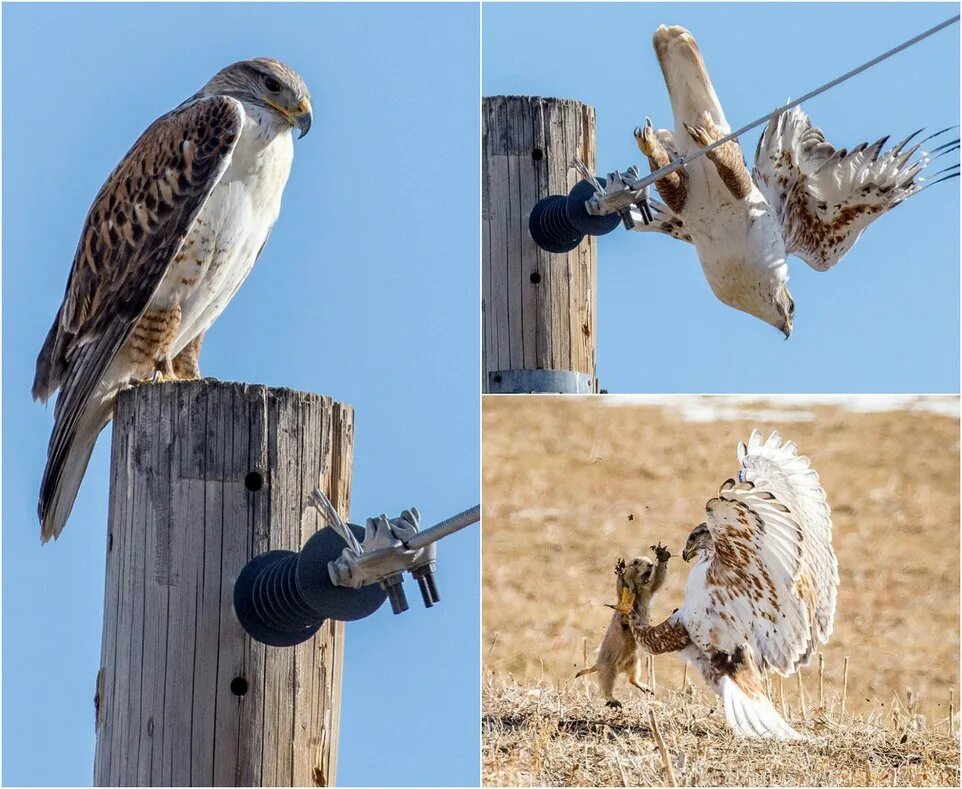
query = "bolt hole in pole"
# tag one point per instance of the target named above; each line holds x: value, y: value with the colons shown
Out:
x: 537, y: 154
x: 239, y: 686
x: 254, y: 481
x: 535, y: 278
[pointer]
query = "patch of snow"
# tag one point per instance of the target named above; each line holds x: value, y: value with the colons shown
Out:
x: 784, y: 408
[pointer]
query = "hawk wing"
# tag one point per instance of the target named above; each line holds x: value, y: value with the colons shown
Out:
x: 135, y: 227
x: 773, y: 580
x: 825, y: 197
x: 133, y: 230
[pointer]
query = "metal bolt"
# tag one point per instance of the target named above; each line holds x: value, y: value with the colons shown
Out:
x: 394, y: 587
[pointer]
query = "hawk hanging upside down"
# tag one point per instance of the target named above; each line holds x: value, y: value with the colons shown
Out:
x: 805, y: 197
x: 167, y: 242
x: 761, y: 594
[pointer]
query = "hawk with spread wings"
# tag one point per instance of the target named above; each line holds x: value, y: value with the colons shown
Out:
x: 804, y: 197
x: 761, y: 594
x: 169, y: 239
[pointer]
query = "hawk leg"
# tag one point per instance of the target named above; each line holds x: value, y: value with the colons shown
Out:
x: 727, y: 158
x: 673, y: 187
x: 187, y: 362
x: 148, y: 347
x: 669, y: 636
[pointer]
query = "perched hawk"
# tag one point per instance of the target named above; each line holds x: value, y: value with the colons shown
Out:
x: 806, y: 198
x: 761, y: 594
x: 169, y: 239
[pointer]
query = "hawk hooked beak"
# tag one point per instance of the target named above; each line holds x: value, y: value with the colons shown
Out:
x: 300, y: 117
x: 303, y: 117
x: 686, y: 554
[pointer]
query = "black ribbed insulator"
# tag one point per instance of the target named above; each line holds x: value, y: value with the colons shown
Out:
x: 558, y: 223
x: 281, y: 598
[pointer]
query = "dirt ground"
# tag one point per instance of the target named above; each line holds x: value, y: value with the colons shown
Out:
x: 571, y: 484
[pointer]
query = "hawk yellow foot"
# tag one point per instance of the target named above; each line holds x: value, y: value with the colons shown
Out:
x: 163, y: 371
x: 161, y: 377
x: 704, y: 137
x: 647, y: 140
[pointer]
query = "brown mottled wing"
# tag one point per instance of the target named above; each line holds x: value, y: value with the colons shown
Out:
x: 825, y: 197
x: 135, y: 227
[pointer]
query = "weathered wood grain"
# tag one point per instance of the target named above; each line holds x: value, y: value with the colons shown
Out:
x: 538, y: 308
x: 184, y: 697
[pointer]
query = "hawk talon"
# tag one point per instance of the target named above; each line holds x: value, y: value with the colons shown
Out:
x: 700, y: 135
x: 646, y: 139
x: 614, y: 703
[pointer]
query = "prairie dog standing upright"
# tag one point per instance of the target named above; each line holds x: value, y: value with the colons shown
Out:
x: 637, y: 582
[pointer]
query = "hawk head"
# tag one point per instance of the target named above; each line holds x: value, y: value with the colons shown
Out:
x: 785, y: 309
x: 771, y: 302
x: 699, y: 544
x: 266, y: 83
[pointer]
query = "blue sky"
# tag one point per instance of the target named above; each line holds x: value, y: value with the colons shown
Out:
x: 372, y: 302
x: 886, y: 319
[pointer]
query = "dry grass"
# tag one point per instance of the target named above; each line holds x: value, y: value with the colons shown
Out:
x: 570, y: 485
x: 540, y: 735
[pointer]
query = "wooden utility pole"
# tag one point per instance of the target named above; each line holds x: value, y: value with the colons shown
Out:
x: 204, y: 476
x: 539, y: 308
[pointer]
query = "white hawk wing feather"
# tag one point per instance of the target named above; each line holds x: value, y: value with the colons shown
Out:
x: 773, y: 581
x: 825, y: 197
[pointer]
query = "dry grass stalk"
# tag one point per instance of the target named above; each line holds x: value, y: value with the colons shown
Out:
x: 781, y: 696
x: 660, y: 742
x: 621, y: 768
x: 821, y: 680
x: 841, y: 712
x: 684, y: 678
x: 803, y: 708
x: 952, y: 711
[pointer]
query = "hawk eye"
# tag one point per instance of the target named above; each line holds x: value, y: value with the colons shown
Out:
x: 272, y: 84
